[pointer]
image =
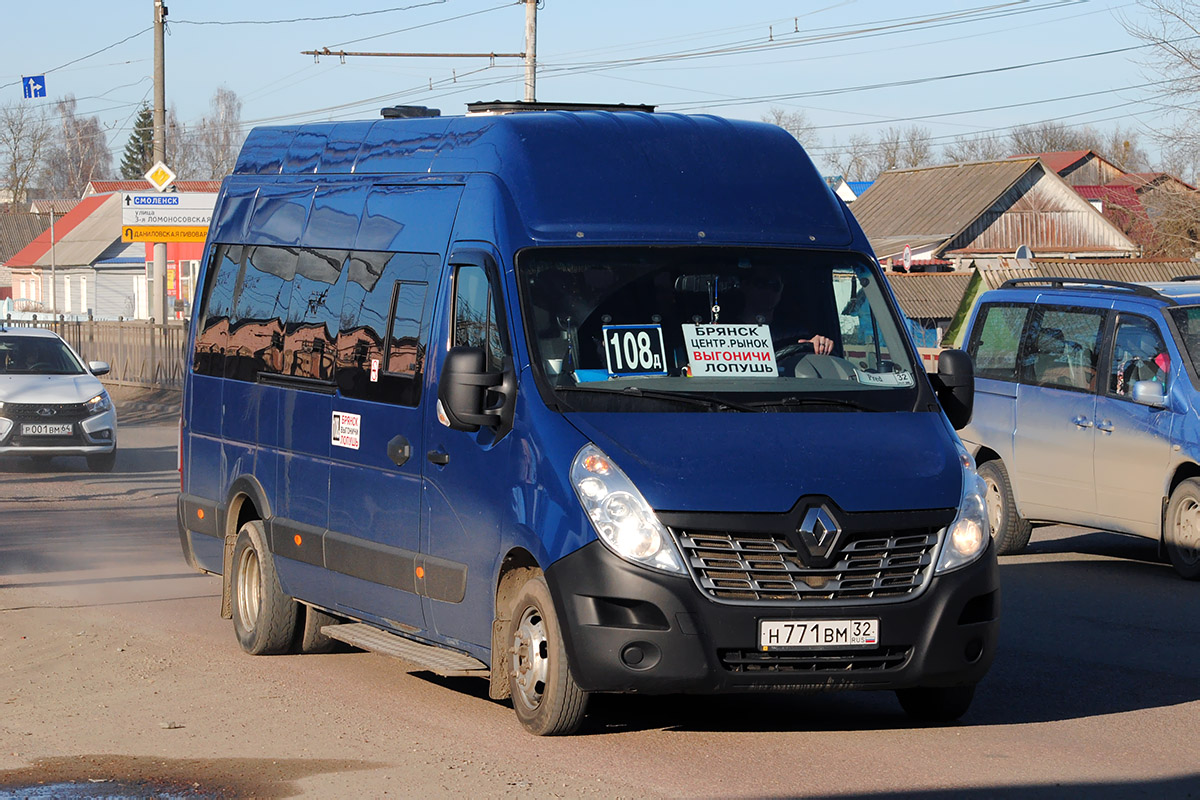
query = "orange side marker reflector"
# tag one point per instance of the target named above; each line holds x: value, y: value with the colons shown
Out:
x: 200, y: 513
x: 297, y: 539
x: 420, y: 572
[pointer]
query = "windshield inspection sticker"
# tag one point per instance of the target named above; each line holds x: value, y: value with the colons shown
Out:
x: 345, y: 429
x: 634, y: 350
x: 730, y: 350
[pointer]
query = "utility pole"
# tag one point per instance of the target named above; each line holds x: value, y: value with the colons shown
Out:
x: 158, y: 295
x: 530, y: 50
x: 530, y: 54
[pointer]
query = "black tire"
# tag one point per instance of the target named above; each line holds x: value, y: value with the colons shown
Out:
x: 936, y: 703
x: 1009, y: 531
x: 264, y: 618
x: 1181, y: 529
x: 104, y: 462
x: 545, y: 696
x: 311, y: 640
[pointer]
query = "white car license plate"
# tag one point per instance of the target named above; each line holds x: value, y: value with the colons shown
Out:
x: 46, y: 429
x: 824, y: 633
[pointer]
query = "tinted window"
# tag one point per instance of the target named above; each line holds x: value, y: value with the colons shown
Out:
x: 213, y: 323
x: 37, y: 355
x: 1139, y: 354
x: 1063, y: 348
x: 995, y: 341
x: 475, y: 321
x: 384, y: 325
x: 311, y: 327
x: 259, y: 307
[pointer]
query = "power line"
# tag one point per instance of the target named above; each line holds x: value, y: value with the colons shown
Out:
x: 83, y: 58
x: 307, y: 19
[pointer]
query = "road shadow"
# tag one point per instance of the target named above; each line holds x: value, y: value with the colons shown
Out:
x: 130, y: 461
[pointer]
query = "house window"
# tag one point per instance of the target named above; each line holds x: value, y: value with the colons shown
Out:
x: 67, y: 294
x: 83, y: 298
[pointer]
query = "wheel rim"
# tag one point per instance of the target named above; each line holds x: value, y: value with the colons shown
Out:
x: 995, y: 504
x: 1187, y: 531
x: 530, y: 658
x: 249, y: 578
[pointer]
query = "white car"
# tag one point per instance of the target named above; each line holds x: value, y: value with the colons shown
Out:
x: 50, y: 403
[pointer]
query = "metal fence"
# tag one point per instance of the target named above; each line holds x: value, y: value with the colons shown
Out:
x: 139, y: 353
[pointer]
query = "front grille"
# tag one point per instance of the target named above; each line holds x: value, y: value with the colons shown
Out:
x: 760, y: 567
x: 28, y: 412
x: 883, y: 658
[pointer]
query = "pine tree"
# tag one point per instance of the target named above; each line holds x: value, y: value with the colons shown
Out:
x: 139, y: 150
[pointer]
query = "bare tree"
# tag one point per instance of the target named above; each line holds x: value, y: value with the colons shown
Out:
x: 78, y: 153
x: 794, y: 122
x: 182, y: 155
x: 853, y: 162
x: 1123, y: 148
x: 901, y: 148
x: 24, y: 138
x: 1048, y: 137
x: 217, y: 138
x: 981, y: 147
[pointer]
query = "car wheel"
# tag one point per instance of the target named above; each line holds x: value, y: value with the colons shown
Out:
x: 1009, y: 531
x: 264, y: 618
x: 103, y: 462
x: 936, y: 703
x: 311, y: 638
x: 545, y: 696
x: 1181, y: 529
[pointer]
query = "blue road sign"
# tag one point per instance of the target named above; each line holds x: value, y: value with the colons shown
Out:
x: 35, y: 86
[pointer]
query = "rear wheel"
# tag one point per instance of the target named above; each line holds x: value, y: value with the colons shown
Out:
x: 1009, y: 531
x: 311, y: 638
x: 1181, y: 529
x: 545, y: 696
x: 264, y: 618
x: 104, y: 462
x: 936, y: 703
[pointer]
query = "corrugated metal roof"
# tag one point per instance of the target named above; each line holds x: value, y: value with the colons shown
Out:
x: 80, y: 237
x: 934, y: 202
x: 930, y: 295
x: 1134, y: 270
x: 59, y: 206
x: 1060, y: 160
x: 18, y: 230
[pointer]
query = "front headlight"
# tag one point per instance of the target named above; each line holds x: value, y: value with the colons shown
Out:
x: 98, y: 404
x: 968, y: 535
x: 621, y: 516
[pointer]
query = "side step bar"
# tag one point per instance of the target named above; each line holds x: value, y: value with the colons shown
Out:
x: 448, y: 663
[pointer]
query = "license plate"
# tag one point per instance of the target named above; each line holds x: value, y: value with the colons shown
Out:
x: 824, y: 633
x: 46, y: 429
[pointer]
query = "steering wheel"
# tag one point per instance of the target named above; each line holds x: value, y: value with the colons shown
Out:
x: 41, y: 366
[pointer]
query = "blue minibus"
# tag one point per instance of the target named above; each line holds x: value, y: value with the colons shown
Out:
x: 576, y: 400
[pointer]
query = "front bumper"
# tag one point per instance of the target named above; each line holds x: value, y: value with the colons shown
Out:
x: 632, y: 629
x: 94, y: 435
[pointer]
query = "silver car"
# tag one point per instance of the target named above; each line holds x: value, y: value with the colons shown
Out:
x: 50, y: 403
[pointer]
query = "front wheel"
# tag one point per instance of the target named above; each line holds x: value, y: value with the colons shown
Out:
x: 264, y: 618
x: 1009, y: 530
x: 545, y: 696
x: 1181, y: 529
x: 936, y: 703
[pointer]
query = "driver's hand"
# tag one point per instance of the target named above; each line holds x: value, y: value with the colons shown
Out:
x: 821, y: 345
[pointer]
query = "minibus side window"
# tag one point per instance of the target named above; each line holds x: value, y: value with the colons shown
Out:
x: 213, y: 330
x: 475, y: 320
x: 259, y: 306
x: 311, y: 328
x: 384, y: 327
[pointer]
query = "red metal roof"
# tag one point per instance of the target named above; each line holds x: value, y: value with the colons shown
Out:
x: 1058, y: 161
x: 28, y: 255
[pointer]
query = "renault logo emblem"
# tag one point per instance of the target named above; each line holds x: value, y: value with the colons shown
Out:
x: 819, y: 533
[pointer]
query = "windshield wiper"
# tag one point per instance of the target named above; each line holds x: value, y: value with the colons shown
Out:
x: 812, y: 401
x: 704, y: 401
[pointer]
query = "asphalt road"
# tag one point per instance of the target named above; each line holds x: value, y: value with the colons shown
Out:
x: 119, y: 679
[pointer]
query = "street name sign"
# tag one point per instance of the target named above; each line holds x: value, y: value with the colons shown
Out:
x: 164, y: 233
x: 161, y: 209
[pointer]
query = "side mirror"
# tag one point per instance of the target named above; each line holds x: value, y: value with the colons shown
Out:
x: 955, y: 385
x: 99, y: 367
x: 464, y: 387
x: 1149, y: 393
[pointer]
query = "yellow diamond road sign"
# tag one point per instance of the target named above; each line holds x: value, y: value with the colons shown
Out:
x: 161, y: 176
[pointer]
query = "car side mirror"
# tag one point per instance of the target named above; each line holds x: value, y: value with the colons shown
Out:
x: 99, y: 367
x: 464, y: 387
x: 1149, y: 393
x: 955, y: 385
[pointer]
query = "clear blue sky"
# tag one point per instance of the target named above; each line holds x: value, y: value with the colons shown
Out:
x: 827, y: 58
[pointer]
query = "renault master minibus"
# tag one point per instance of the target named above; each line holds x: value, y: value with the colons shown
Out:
x: 577, y: 401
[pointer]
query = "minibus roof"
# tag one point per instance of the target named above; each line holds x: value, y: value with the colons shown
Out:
x: 596, y: 175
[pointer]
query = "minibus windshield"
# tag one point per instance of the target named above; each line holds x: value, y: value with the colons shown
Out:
x: 712, y: 329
